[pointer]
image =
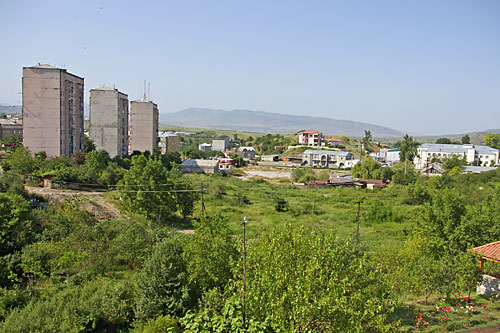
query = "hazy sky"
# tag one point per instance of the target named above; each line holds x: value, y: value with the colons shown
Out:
x: 426, y: 67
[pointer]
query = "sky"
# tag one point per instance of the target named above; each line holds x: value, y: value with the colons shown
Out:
x: 422, y: 67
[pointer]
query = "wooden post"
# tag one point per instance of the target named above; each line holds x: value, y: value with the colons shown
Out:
x: 481, y: 264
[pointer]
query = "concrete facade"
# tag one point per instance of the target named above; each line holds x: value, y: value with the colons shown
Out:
x: 205, y: 147
x: 143, y: 126
x: 10, y: 127
x: 220, y: 143
x: 200, y: 166
x: 477, y: 155
x: 328, y: 159
x: 311, y: 138
x: 168, y: 142
x: 52, y: 111
x: 109, y: 121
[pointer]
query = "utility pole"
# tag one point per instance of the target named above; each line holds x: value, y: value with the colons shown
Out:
x: 357, y: 216
x: 245, y: 222
x: 202, y: 202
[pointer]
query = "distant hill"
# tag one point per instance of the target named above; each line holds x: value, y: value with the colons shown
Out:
x: 266, y: 122
x: 11, y: 109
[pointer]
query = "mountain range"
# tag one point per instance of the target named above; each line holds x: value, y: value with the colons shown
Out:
x: 11, y: 109
x: 267, y: 122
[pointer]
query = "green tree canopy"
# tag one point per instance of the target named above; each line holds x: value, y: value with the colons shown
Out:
x: 492, y: 140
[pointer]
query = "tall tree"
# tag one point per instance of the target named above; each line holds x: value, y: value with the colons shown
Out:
x: 145, y: 188
x: 466, y: 139
x: 492, y: 140
x: 408, y: 149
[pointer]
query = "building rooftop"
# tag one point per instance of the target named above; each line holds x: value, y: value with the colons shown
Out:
x: 326, y: 152
x: 201, y: 163
x: 450, y: 148
x: 489, y: 251
x: 477, y: 169
x: 246, y: 148
x: 309, y: 131
x: 166, y: 134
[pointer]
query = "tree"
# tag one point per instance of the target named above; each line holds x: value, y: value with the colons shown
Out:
x: 454, y: 161
x: 95, y: 163
x: 492, y: 140
x: 367, y: 138
x: 367, y: 169
x: 209, y: 254
x: 408, y: 148
x: 145, y: 188
x: 88, y: 144
x: 163, y: 283
x: 466, y: 139
x: 445, y: 141
x: 15, y: 223
x: 303, y: 280
x: 21, y: 161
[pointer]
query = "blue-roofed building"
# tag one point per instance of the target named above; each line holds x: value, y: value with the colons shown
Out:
x: 328, y: 159
x: 474, y: 155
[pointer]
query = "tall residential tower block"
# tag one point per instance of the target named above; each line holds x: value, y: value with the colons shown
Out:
x: 143, y: 126
x: 109, y: 121
x: 52, y: 110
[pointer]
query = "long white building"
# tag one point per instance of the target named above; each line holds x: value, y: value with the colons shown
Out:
x: 477, y: 155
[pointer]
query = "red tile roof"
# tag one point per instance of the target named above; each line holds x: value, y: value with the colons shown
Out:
x: 334, y: 140
x: 311, y: 131
x: 488, y: 251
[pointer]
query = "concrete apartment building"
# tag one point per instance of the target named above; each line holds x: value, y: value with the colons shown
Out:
x: 477, y: 155
x: 168, y: 142
x: 52, y: 110
x: 143, y: 126
x: 109, y: 121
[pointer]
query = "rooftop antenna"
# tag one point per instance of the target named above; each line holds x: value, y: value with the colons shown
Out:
x: 149, y: 90
x: 144, y: 89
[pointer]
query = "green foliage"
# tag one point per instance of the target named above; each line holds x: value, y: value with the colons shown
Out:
x: 20, y: 161
x: 303, y: 175
x: 454, y: 161
x: 376, y: 211
x: 143, y: 188
x: 16, y: 227
x: 95, y: 164
x: 88, y: 144
x: 442, y: 218
x: 492, y: 140
x: 403, y: 174
x: 12, y: 183
x: 367, y: 169
x: 221, y: 313
x: 100, y: 305
x: 163, y: 282
x: 280, y: 204
x: 445, y: 141
x: 209, y: 254
x: 465, y: 139
x: 367, y: 138
x: 162, y: 324
x: 408, y: 148
x: 418, y: 193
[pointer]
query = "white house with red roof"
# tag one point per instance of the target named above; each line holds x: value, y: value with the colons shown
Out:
x: 310, y: 138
